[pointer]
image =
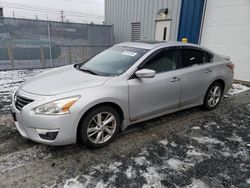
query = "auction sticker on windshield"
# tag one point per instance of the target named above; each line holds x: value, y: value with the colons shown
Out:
x: 129, y: 53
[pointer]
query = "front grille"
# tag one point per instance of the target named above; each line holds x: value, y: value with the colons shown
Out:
x: 21, y: 102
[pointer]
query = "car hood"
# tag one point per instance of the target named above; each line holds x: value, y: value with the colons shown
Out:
x: 62, y: 80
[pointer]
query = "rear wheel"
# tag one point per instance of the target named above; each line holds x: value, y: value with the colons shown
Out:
x: 100, y: 126
x: 213, y: 96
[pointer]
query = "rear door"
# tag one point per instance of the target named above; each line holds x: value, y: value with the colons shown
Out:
x: 151, y: 96
x: 198, y: 72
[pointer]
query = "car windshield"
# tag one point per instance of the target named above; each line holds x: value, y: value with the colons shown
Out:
x: 113, y: 61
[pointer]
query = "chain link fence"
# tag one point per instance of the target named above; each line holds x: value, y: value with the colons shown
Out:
x: 29, y: 44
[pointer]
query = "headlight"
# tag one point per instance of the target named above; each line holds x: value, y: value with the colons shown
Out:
x: 61, y: 106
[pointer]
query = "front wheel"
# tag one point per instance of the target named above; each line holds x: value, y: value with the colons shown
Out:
x: 213, y: 96
x: 100, y: 126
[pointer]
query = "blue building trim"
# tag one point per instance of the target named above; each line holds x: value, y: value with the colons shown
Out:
x: 190, y: 20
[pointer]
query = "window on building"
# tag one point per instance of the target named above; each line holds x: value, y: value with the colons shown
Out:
x: 135, y: 31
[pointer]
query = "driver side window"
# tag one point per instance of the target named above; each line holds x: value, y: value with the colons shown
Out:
x: 162, y: 62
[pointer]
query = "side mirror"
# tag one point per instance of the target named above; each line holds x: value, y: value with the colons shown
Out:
x: 145, y: 73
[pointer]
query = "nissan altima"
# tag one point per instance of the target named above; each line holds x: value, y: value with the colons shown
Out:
x: 128, y: 83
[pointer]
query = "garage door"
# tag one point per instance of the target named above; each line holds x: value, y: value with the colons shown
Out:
x: 226, y: 30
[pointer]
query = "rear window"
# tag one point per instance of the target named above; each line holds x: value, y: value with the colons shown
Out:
x: 192, y: 57
x: 209, y: 57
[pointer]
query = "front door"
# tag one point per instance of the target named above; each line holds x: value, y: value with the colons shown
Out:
x: 151, y: 96
x: 162, y: 30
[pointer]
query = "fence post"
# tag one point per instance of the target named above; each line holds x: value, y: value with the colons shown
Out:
x: 82, y: 54
x: 70, y: 55
x: 42, y: 57
x: 92, y: 51
x: 50, y: 50
x: 11, y: 56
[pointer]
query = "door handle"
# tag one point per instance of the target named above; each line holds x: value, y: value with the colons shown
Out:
x: 175, y: 79
x: 208, y: 70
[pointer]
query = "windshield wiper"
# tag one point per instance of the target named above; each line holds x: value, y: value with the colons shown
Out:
x: 88, y: 70
x: 78, y: 65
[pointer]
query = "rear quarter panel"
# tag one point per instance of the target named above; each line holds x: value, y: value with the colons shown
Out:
x: 223, y: 72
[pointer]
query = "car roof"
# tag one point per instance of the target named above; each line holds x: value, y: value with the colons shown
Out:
x: 153, y: 44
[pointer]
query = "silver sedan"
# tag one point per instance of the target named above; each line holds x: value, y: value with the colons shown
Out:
x: 125, y: 84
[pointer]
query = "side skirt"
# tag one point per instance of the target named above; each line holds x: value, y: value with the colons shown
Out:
x: 127, y: 123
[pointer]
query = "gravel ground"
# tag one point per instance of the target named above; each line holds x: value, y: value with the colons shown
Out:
x: 192, y: 148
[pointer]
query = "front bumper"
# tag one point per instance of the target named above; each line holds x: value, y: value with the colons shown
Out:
x: 46, y: 129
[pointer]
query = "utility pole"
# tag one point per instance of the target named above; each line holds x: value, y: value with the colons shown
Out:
x: 1, y: 12
x: 36, y: 17
x: 13, y: 14
x: 62, y: 16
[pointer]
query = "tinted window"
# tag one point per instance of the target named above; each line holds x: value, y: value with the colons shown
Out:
x: 192, y: 57
x: 209, y: 57
x: 162, y: 62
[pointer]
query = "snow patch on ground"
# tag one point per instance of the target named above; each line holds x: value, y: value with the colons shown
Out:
x: 196, y: 153
x: 235, y: 138
x: 144, y: 152
x: 196, y: 183
x: 152, y: 177
x: 226, y: 154
x: 73, y: 183
x: 114, y: 166
x: 207, y: 140
x: 22, y: 158
x: 173, y: 144
x: 164, y: 142
x: 88, y: 181
x: 248, y: 181
x: 84, y: 180
x: 141, y: 160
x: 196, y: 128
x: 212, y: 123
x: 98, y: 167
x: 177, y: 164
x: 237, y: 88
x: 243, y: 154
x: 10, y: 81
x: 130, y: 172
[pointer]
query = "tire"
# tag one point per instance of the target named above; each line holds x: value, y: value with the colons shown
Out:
x: 93, y: 131
x: 213, y: 96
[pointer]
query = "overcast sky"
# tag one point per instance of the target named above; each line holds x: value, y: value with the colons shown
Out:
x: 84, y: 11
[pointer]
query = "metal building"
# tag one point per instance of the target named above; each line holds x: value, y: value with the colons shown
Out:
x: 143, y: 19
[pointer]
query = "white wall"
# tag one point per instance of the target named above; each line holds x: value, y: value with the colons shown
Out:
x: 226, y: 30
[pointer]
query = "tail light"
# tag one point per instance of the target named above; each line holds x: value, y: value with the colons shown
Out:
x: 231, y: 66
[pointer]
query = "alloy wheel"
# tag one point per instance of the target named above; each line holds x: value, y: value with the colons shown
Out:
x: 214, y: 96
x: 101, y: 127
